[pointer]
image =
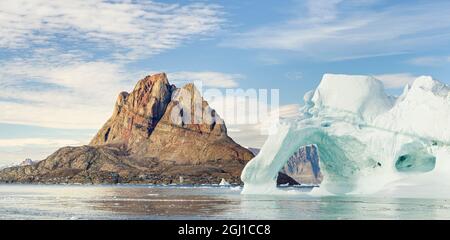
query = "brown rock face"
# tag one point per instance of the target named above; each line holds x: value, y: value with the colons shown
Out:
x: 136, y: 114
x: 156, y: 134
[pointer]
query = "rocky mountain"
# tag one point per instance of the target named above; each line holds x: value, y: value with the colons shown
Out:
x: 301, y: 168
x: 27, y: 162
x: 158, y: 133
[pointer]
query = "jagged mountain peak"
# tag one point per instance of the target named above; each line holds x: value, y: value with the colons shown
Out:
x: 157, y: 116
x: 152, y: 101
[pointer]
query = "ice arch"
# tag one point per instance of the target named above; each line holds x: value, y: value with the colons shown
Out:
x: 365, y: 138
x: 336, y: 162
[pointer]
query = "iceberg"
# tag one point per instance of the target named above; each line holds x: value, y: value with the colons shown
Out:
x: 224, y: 182
x: 368, y: 141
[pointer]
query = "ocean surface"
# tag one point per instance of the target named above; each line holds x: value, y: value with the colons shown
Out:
x: 204, y: 202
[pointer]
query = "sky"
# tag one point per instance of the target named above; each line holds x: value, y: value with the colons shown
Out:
x: 63, y: 63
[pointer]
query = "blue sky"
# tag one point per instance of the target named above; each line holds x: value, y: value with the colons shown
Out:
x: 63, y: 63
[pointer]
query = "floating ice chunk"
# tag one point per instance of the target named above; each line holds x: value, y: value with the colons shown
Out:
x: 366, y: 139
x: 224, y: 182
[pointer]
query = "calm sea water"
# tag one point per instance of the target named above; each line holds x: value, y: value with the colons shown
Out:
x: 208, y: 202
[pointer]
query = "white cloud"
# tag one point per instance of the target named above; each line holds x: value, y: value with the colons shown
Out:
x: 322, y: 10
x: 295, y: 75
x: 340, y: 30
x: 254, y: 135
x: 269, y: 60
x: 66, y: 61
x: 207, y: 78
x: 396, y: 80
x: 249, y: 115
x: 129, y: 29
x: 71, y: 95
x: 76, y: 94
x: 290, y: 110
x: 22, y: 142
x: 431, y: 61
x: 15, y: 150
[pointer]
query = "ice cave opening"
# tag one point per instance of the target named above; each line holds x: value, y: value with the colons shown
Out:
x: 415, y: 162
x: 337, y: 164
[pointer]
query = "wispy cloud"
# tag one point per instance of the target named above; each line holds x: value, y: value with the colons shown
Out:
x: 253, y: 135
x: 71, y: 95
x: 21, y: 142
x: 269, y: 59
x: 127, y: 29
x: 295, y: 75
x: 74, y: 93
x: 396, y: 80
x: 64, y: 62
x: 15, y: 150
x: 207, y: 78
x: 249, y: 115
x: 330, y: 30
x: 322, y: 10
x: 430, y: 61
